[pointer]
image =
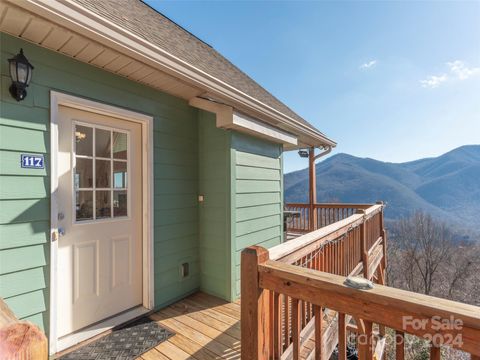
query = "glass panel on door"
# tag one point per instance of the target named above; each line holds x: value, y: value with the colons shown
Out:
x: 101, y: 173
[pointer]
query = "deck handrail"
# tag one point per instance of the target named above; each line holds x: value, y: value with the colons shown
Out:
x: 381, y: 305
x: 315, y: 216
x: 332, y: 205
x: 351, y: 246
x: 324, y: 234
x: 293, y: 295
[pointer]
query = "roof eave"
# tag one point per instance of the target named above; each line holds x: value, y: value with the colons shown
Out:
x: 91, y: 25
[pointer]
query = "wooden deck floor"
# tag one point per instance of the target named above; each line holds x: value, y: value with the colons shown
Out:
x: 205, y: 328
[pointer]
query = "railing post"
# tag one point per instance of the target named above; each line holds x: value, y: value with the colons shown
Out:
x: 342, y: 337
x: 383, y: 233
x: 363, y: 245
x: 399, y: 345
x: 312, y: 190
x: 255, y: 331
x: 319, y: 341
x: 435, y: 353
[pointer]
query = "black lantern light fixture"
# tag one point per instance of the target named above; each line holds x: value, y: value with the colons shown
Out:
x: 21, y: 74
x: 303, y: 153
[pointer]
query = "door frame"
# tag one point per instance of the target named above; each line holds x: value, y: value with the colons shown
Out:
x: 146, y: 121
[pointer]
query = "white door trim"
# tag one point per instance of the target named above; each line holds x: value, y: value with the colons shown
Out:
x: 57, y: 99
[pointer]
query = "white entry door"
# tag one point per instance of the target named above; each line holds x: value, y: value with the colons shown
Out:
x: 99, y: 218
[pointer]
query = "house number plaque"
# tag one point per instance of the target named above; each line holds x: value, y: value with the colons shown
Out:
x: 28, y: 161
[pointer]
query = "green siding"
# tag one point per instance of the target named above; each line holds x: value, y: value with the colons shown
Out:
x: 257, y: 210
x: 25, y: 194
x: 214, y: 212
x: 240, y: 177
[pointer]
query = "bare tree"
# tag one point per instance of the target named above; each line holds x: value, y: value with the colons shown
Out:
x: 425, y: 256
x: 426, y: 245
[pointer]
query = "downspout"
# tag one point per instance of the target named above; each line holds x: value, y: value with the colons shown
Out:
x: 313, y: 183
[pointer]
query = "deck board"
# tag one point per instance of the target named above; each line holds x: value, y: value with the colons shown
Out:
x: 205, y: 328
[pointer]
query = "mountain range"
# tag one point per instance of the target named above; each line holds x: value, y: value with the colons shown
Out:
x: 447, y: 186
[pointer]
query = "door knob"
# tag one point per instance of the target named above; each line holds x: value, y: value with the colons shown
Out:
x: 61, y: 231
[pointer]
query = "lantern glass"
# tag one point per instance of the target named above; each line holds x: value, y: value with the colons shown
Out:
x: 29, y: 75
x: 22, y: 73
x: 13, y: 70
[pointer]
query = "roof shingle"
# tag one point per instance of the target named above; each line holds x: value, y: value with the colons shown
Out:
x: 142, y: 20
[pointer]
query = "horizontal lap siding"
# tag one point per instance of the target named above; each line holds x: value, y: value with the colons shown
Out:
x: 257, y: 195
x: 25, y: 194
x: 214, y: 212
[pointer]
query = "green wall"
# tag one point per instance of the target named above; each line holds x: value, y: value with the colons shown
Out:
x: 257, y: 198
x: 24, y: 194
x: 239, y: 175
x: 214, y: 212
x: 241, y: 179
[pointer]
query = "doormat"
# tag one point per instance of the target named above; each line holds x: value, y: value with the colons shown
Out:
x: 125, y: 343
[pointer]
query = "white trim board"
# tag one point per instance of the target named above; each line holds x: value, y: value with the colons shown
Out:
x: 245, y: 123
x: 228, y: 118
x: 57, y: 99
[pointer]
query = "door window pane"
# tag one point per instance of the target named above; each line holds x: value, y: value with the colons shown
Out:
x: 120, y: 205
x: 83, y: 140
x: 119, y: 174
x: 83, y: 173
x: 119, y: 145
x: 102, y: 173
x: 84, y: 205
x: 102, y: 143
x: 102, y: 206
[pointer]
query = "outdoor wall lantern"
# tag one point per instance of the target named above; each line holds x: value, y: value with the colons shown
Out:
x: 21, y: 74
x: 303, y: 153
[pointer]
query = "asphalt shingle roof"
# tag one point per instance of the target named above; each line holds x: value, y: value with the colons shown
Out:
x: 142, y: 20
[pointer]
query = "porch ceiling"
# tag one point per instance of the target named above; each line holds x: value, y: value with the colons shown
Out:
x: 19, y: 22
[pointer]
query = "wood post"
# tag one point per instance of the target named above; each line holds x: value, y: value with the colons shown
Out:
x: 296, y: 327
x: 255, y: 332
x: 277, y: 325
x: 20, y: 339
x: 381, y: 281
x: 369, y: 337
x: 319, y: 344
x: 383, y: 233
x: 399, y: 345
x: 363, y: 244
x: 342, y: 337
x: 435, y: 353
x: 361, y: 345
x: 312, y: 190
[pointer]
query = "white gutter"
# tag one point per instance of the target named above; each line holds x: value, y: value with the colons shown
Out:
x: 86, y: 22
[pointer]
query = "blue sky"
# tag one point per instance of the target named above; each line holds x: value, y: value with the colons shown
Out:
x: 394, y: 81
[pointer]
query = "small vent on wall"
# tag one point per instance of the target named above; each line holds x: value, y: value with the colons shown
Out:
x: 185, y: 270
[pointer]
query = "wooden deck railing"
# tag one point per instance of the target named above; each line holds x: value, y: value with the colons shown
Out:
x: 313, y: 217
x: 295, y: 304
